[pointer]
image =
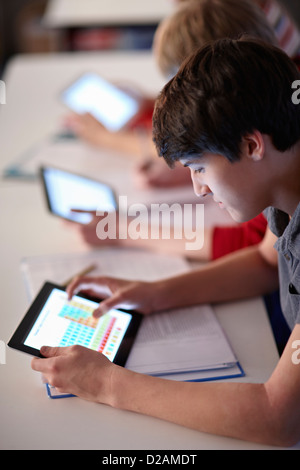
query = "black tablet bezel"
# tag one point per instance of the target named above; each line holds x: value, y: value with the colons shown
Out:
x: 22, y: 331
x: 44, y: 168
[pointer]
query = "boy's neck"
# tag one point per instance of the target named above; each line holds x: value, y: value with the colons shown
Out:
x: 286, y: 193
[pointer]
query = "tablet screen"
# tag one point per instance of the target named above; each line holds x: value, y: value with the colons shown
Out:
x: 64, y: 323
x: 107, y: 103
x: 66, y: 191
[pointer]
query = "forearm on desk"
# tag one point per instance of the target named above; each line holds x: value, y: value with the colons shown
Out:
x: 240, y: 275
x: 229, y: 409
x: 260, y: 412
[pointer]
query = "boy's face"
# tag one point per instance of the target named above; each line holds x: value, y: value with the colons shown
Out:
x: 237, y: 187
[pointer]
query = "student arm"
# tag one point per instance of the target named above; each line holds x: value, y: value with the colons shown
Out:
x: 170, y: 245
x: 265, y: 413
x: 245, y: 273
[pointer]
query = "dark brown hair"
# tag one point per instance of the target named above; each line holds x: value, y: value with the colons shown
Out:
x: 225, y: 90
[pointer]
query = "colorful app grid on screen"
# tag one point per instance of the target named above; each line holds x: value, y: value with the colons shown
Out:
x: 65, y: 323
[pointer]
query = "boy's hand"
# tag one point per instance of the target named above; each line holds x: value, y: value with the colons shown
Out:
x: 76, y: 370
x: 88, y: 128
x: 118, y: 293
x: 88, y: 232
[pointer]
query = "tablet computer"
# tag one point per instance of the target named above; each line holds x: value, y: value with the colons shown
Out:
x: 110, y: 105
x: 53, y: 320
x: 65, y: 191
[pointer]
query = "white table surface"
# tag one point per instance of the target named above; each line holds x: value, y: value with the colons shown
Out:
x: 34, y: 83
x: 70, y: 13
x: 29, y: 420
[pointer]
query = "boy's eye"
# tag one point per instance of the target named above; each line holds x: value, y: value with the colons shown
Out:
x: 199, y: 170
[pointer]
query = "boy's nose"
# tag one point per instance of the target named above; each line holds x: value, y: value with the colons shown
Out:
x: 201, y: 190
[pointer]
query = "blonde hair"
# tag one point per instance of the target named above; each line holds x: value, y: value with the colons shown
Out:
x: 197, y: 22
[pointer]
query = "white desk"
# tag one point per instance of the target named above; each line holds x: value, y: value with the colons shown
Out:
x: 28, y: 419
x: 33, y: 84
x: 79, y: 13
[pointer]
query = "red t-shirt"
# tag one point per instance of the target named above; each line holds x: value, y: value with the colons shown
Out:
x: 232, y: 238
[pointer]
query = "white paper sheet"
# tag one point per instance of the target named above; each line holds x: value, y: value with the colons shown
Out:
x: 126, y: 264
x: 186, y: 339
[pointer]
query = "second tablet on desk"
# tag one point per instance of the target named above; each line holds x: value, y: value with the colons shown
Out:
x: 66, y: 191
x: 112, y: 106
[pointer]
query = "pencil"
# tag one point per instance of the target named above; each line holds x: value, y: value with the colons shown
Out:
x: 84, y: 271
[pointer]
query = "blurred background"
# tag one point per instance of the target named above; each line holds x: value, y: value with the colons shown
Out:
x: 28, y: 26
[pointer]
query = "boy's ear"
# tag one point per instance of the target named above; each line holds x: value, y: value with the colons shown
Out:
x: 254, y: 146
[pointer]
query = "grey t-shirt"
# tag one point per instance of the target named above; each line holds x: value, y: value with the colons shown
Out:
x: 288, y: 246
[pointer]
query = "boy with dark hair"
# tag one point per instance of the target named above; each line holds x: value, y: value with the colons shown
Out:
x: 218, y: 101
x: 228, y: 115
